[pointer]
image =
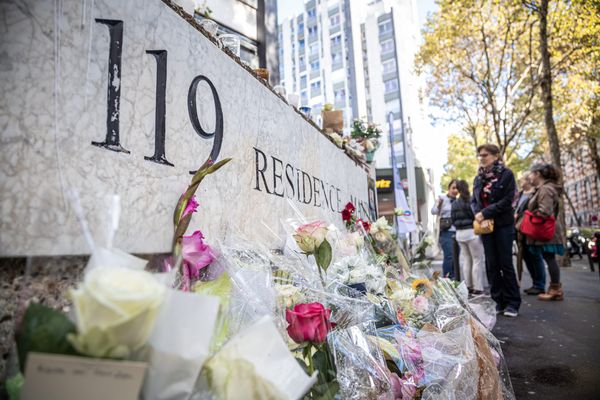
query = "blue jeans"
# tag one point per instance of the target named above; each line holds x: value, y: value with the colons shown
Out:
x: 535, y: 266
x: 447, y: 243
x: 504, y: 287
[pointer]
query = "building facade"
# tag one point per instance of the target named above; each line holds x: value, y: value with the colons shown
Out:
x: 255, y: 23
x: 582, y: 185
x: 359, y: 56
x: 314, y: 53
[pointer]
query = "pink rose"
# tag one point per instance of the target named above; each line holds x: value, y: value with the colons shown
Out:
x: 191, y: 206
x: 420, y: 304
x: 196, y: 254
x: 310, y: 236
x: 396, y: 386
x: 308, y: 322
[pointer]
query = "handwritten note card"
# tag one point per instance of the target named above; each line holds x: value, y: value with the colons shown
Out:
x: 56, y: 377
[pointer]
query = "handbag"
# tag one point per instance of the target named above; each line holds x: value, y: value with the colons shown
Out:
x: 485, y: 227
x: 445, y: 224
x: 538, y: 228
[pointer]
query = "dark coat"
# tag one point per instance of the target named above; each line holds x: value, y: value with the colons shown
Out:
x: 501, y: 199
x: 462, y: 215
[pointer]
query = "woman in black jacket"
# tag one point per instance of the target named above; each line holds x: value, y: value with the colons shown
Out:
x: 472, y: 257
x: 494, y: 191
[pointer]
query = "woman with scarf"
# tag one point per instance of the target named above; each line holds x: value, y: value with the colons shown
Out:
x: 494, y: 191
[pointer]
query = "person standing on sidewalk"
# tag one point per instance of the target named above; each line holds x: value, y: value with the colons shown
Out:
x: 443, y: 208
x: 494, y: 190
x: 545, y: 202
x: 471, y: 249
x: 533, y: 262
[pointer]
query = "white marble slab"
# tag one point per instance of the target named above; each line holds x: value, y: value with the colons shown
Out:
x: 53, y: 81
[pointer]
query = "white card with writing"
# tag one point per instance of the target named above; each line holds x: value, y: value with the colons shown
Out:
x: 58, y: 377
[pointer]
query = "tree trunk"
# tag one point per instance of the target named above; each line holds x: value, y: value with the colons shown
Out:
x: 546, y: 85
x: 546, y: 88
x: 572, y: 207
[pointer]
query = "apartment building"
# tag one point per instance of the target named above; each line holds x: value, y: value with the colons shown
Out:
x: 582, y: 185
x: 359, y: 56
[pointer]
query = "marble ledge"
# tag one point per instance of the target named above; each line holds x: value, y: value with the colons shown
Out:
x: 190, y: 19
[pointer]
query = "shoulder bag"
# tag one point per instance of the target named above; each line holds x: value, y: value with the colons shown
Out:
x: 538, y: 228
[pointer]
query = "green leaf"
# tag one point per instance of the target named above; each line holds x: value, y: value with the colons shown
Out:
x: 14, y: 385
x: 43, y: 330
x: 323, y: 364
x: 329, y: 391
x: 323, y: 255
x: 204, y: 170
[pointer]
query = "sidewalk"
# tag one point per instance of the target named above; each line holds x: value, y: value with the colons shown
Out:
x: 553, y: 348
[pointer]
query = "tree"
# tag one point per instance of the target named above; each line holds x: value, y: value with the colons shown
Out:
x: 462, y: 160
x: 481, y: 71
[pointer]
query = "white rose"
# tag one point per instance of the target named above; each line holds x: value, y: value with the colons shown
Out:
x: 350, y: 244
x: 288, y: 295
x: 233, y: 378
x: 380, y: 230
x: 115, y: 309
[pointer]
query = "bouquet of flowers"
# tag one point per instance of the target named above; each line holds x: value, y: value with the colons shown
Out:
x: 367, y: 135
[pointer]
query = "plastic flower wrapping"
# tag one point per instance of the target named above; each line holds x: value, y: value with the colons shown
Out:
x: 332, y: 314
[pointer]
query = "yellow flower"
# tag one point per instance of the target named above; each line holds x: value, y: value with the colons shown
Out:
x: 422, y: 285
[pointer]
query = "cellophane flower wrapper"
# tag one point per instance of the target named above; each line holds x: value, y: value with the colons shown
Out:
x: 179, y: 345
x: 252, y: 293
x: 253, y: 365
x: 361, y: 370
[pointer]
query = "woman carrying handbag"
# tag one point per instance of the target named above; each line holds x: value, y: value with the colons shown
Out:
x: 543, y: 230
x: 494, y: 191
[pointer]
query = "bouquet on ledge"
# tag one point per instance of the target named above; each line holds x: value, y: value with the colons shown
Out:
x: 366, y: 134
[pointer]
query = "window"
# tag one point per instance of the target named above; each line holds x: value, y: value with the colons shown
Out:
x: 303, y: 82
x: 303, y: 98
x: 334, y: 20
x: 391, y: 85
x: 315, y: 87
x: 314, y: 66
x: 336, y: 40
x: 393, y: 106
x: 300, y: 27
x: 340, y: 95
x: 312, y: 30
x: 588, y: 190
x: 389, y: 66
x: 385, y: 27
x: 336, y: 57
x: 387, y: 46
x: 312, y: 12
x: 302, y: 63
x: 301, y: 45
x: 314, y: 49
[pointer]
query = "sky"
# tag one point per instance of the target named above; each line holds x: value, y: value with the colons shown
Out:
x: 287, y: 8
x: 433, y: 157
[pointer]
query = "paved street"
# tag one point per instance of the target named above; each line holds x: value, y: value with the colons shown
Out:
x: 553, y: 349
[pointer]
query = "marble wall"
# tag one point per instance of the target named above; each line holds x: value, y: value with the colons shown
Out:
x: 54, y: 72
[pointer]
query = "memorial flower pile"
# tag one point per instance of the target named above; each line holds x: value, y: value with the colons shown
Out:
x: 333, y: 315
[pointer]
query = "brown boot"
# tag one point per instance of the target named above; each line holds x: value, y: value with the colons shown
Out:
x: 555, y: 292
